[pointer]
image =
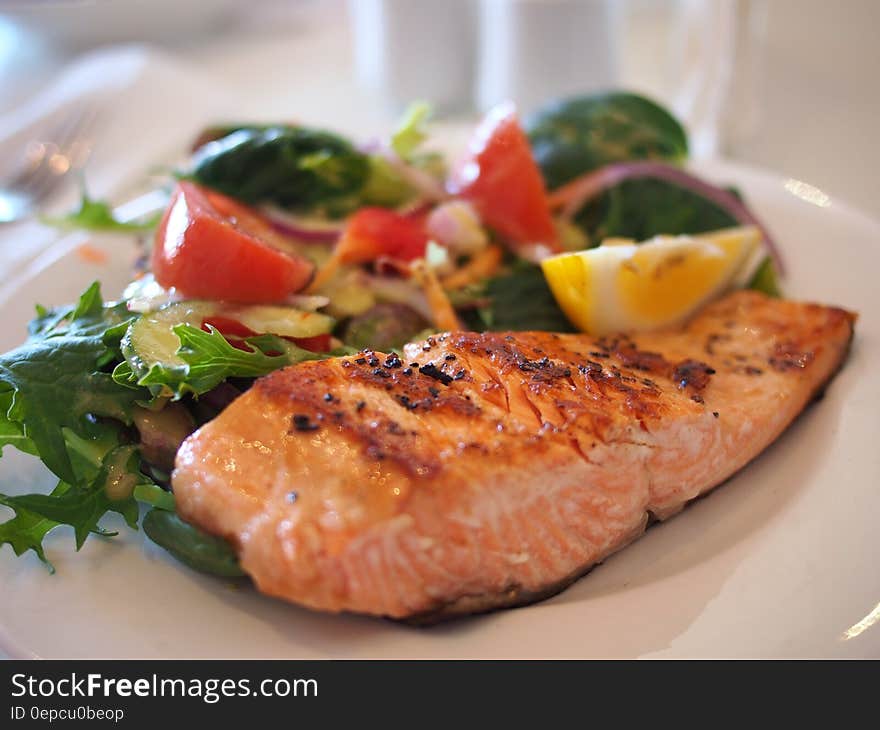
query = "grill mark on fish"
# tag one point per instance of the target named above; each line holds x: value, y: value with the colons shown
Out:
x: 576, y: 445
x: 788, y: 356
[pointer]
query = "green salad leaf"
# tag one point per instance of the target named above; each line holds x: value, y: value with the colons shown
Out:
x: 296, y: 168
x: 384, y: 186
x: 83, y: 504
x: 26, y: 530
x: 311, y: 170
x: 12, y: 432
x: 155, y: 497
x: 208, y: 359
x: 643, y: 208
x: 211, y: 359
x: 57, y: 380
x: 97, y: 215
x: 190, y: 545
x: 59, y: 403
x: 570, y: 137
x: 518, y: 300
x: 410, y: 132
x: 765, y: 279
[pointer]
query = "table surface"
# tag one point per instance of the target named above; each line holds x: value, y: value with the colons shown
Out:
x: 818, y: 99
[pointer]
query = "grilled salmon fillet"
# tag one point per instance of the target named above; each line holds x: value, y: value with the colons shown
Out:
x: 489, y: 470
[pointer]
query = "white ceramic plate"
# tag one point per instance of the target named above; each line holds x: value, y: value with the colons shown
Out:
x: 779, y: 562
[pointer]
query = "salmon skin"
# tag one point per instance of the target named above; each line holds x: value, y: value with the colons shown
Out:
x: 488, y: 470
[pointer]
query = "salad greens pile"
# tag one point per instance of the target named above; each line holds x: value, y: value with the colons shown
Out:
x: 77, y: 396
x: 69, y: 397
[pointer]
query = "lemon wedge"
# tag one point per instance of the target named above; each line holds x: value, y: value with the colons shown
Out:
x: 623, y: 285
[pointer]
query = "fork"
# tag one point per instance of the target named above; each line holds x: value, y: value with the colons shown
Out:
x: 48, y: 161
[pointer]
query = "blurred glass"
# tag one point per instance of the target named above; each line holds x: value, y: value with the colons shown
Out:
x: 701, y: 58
x: 534, y: 50
x: 416, y: 49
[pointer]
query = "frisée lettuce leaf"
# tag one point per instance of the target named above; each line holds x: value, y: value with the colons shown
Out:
x: 57, y: 378
x: 67, y: 397
x: 59, y: 403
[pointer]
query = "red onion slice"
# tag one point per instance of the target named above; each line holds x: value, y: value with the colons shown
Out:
x: 305, y: 230
x: 572, y: 196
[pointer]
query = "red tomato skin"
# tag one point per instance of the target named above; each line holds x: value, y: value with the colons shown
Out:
x: 234, y: 331
x: 227, y: 327
x: 318, y: 343
x: 374, y: 233
x: 208, y: 254
x: 500, y: 177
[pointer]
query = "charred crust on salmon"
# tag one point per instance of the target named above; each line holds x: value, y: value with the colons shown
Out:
x: 692, y: 374
x: 478, y: 605
x: 302, y: 422
x: 788, y: 356
x: 430, y: 370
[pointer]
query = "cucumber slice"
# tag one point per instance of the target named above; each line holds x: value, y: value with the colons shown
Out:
x: 283, y: 321
x: 151, y: 340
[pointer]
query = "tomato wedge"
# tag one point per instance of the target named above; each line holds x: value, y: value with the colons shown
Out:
x: 208, y: 246
x: 374, y: 233
x: 500, y: 177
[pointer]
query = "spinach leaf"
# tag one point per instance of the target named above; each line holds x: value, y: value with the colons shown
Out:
x: 190, y: 545
x: 519, y: 300
x: 570, y: 137
x: 296, y: 168
x: 765, y: 279
x: 643, y: 208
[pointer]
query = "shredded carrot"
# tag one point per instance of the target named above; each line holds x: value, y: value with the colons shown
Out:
x: 324, y: 274
x: 483, y: 265
x: 92, y: 255
x: 442, y: 311
x: 561, y: 195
